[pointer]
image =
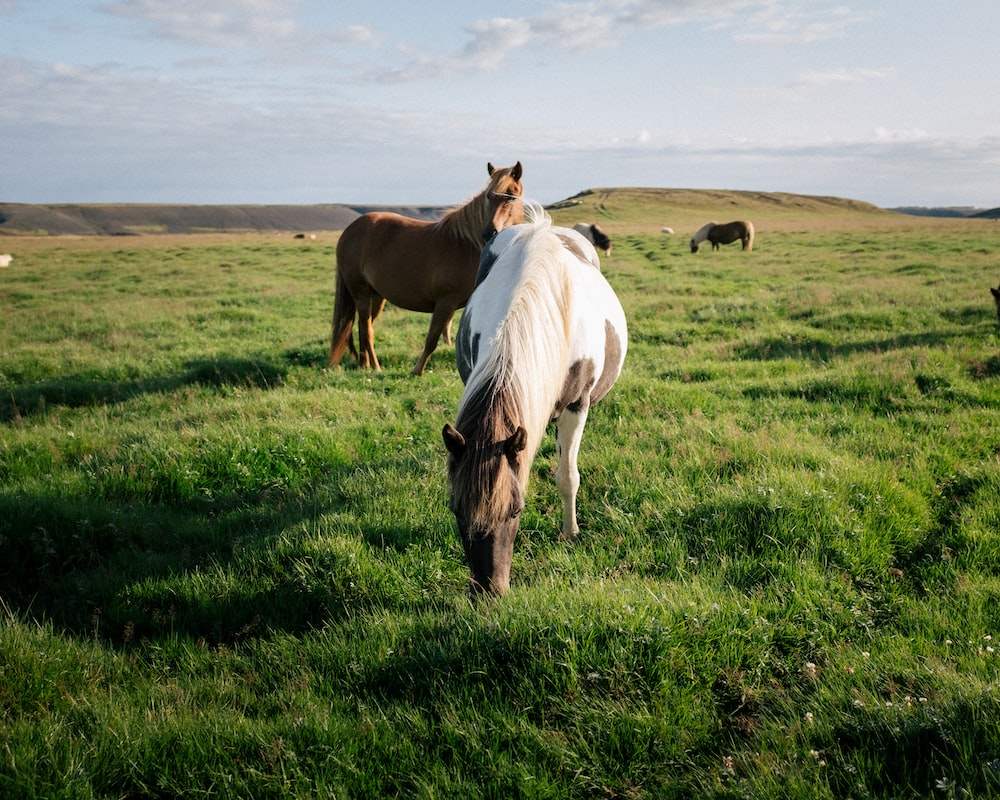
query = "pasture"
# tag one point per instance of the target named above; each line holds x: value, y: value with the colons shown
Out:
x: 228, y: 571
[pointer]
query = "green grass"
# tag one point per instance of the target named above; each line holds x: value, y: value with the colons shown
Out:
x: 227, y: 571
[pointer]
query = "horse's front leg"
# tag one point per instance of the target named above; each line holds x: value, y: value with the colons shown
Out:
x: 440, y: 321
x: 569, y: 433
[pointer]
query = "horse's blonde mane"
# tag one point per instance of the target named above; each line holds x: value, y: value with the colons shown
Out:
x: 466, y: 222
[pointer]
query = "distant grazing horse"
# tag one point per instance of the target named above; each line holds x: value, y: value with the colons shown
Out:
x: 595, y: 236
x: 543, y: 338
x: 416, y: 265
x: 724, y: 234
x: 996, y: 299
x: 5, y: 260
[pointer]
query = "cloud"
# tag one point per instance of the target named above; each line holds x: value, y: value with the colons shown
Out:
x: 493, y: 42
x: 786, y: 24
x: 213, y: 23
x: 887, y: 135
x: 806, y: 84
x: 843, y: 75
x: 490, y: 43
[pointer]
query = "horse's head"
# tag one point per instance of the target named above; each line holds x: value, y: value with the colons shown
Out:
x: 487, y: 499
x: 996, y: 299
x: 701, y: 235
x: 601, y: 240
x: 504, y: 197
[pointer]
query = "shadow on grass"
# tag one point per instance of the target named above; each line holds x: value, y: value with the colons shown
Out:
x: 74, y: 391
x: 245, y: 559
x: 821, y: 350
x: 219, y: 572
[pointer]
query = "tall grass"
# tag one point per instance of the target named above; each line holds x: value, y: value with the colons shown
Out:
x: 227, y: 571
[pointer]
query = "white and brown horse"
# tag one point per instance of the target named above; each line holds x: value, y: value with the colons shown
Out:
x: 542, y: 338
x: 416, y: 265
x: 724, y: 234
x: 595, y: 236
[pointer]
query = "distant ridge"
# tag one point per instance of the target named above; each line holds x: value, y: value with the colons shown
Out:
x: 949, y: 211
x: 627, y: 205
x: 131, y: 219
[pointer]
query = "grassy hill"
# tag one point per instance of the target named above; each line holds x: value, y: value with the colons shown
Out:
x: 636, y: 210
x: 615, y: 209
x: 124, y: 219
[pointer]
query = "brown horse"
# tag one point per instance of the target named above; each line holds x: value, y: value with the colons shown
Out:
x: 724, y: 234
x: 996, y: 299
x: 417, y: 265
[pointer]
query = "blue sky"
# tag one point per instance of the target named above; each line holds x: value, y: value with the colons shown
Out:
x: 300, y: 101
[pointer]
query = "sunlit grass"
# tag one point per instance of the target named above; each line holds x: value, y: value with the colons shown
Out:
x: 227, y: 570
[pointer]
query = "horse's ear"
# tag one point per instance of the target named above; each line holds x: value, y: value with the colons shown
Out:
x: 516, y: 171
x: 490, y: 168
x: 453, y: 440
x: 995, y: 292
x: 516, y: 443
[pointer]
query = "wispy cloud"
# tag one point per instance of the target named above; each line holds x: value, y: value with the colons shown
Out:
x: 491, y: 43
x: 785, y: 24
x: 213, y: 23
x: 819, y: 79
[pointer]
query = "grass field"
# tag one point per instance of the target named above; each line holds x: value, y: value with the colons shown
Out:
x: 227, y: 571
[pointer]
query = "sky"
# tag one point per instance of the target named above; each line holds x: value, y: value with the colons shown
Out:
x: 894, y: 102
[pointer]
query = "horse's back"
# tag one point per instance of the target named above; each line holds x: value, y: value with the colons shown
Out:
x: 376, y: 230
x: 595, y: 325
x: 405, y: 260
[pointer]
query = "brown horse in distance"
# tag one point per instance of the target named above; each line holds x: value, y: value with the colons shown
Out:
x: 417, y: 265
x: 724, y: 234
x: 996, y: 299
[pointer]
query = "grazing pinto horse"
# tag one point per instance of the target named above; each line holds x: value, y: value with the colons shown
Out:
x: 724, y: 234
x: 416, y: 265
x: 996, y: 299
x: 595, y: 236
x: 543, y: 338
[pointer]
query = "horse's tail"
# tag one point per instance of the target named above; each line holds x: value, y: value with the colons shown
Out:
x: 748, y: 242
x: 344, y: 310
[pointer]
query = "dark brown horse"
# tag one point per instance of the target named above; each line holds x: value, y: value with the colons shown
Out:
x: 417, y: 265
x: 724, y: 234
x: 594, y: 235
x: 996, y: 299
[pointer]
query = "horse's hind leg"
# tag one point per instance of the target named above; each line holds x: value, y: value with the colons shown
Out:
x: 341, y: 339
x: 342, y: 335
x: 440, y: 322
x: 569, y: 433
x: 368, y: 311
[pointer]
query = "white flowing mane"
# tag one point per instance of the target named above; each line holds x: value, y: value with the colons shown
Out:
x: 526, y: 361
x: 702, y: 233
